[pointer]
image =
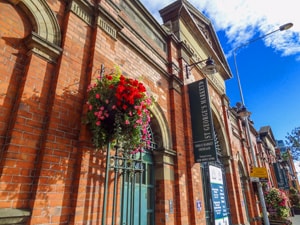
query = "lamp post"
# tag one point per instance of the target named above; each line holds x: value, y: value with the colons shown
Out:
x: 245, y: 115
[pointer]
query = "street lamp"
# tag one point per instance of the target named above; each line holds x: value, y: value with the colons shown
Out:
x: 245, y: 116
x: 209, y: 68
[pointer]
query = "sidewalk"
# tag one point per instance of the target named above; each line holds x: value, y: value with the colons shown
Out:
x: 295, y: 219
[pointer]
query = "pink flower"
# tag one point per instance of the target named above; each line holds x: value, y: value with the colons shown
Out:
x: 139, y: 121
x: 116, y: 96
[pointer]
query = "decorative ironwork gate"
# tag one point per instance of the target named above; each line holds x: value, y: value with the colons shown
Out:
x: 135, y: 170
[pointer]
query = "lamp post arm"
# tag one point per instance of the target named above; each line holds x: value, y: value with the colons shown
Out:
x: 238, y: 79
x: 235, y: 63
x: 192, y: 65
x: 281, y: 28
x: 196, y: 63
x: 255, y: 39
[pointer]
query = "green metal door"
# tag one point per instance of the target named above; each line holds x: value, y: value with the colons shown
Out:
x: 138, y: 193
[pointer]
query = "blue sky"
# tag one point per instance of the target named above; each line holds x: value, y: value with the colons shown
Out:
x: 269, y: 69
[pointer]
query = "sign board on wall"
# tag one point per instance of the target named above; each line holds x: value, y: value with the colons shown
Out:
x: 259, y: 174
x: 218, y: 196
x: 202, y: 123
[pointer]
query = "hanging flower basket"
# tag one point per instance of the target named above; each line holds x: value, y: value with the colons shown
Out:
x: 276, y: 202
x: 118, y: 109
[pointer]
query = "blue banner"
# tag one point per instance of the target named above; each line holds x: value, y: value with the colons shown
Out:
x: 218, y: 196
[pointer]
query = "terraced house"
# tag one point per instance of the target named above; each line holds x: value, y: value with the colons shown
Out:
x: 195, y: 169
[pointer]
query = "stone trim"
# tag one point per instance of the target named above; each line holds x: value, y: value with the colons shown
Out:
x: 162, y: 122
x: 147, y: 57
x: 42, y: 47
x: 113, y: 5
x: 108, y: 23
x: 83, y: 10
x: 42, y: 18
x: 138, y: 17
x: 165, y: 156
x: 164, y: 164
x: 45, y: 38
x: 10, y: 216
x: 104, y: 25
x: 176, y: 84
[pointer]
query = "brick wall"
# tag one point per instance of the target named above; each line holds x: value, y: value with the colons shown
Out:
x: 48, y: 165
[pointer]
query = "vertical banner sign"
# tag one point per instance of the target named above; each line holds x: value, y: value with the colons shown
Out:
x: 202, y: 124
x: 218, y: 196
x: 279, y: 175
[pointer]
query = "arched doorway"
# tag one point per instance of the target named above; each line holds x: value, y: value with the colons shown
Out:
x: 130, y: 198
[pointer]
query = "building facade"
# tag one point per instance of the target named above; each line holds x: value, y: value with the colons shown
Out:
x: 51, y: 173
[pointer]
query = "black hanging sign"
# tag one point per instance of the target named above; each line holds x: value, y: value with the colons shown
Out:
x: 202, y: 123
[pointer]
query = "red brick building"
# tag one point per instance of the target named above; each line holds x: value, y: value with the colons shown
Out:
x: 50, y: 51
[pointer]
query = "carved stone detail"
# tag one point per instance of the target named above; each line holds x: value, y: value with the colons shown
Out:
x: 43, y: 48
x: 82, y: 10
x: 43, y: 19
x: 110, y: 30
x: 46, y: 35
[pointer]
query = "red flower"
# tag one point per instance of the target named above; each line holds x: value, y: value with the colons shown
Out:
x: 124, y: 107
x: 118, y: 109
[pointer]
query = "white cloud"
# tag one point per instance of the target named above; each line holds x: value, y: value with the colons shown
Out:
x: 297, y: 167
x: 242, y: 19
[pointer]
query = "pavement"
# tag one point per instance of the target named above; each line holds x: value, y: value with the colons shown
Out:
x: 295, y: 219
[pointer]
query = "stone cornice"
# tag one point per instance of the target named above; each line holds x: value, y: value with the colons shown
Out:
x: 83, y: 10
x: 42, y: 47
x: 129, y: 41
x: 165, y: 156
x: 14, y: 216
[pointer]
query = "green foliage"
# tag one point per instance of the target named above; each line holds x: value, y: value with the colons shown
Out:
x: 294, y: 197
x: 118, y: 109
x: 293, y: 141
